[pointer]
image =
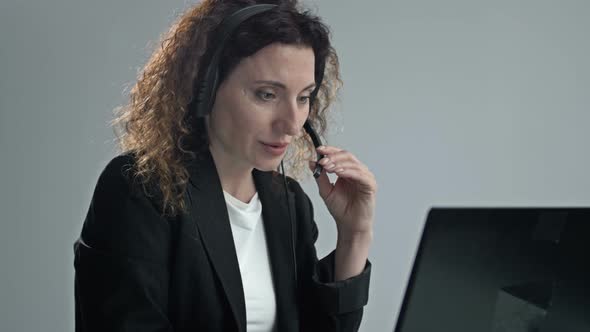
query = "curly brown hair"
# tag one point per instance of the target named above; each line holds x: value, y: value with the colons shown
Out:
x: 157, y: 126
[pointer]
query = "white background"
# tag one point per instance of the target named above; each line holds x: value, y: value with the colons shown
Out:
x: 454, y: 103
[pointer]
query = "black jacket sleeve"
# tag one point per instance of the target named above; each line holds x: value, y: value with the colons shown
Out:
x: 121, y: 275
x: 326, y: 305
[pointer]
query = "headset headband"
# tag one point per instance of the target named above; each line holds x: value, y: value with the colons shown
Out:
x: 207, y: 86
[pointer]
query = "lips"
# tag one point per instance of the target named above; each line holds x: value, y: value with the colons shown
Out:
x: 274, y: 148
x: 277, y: 145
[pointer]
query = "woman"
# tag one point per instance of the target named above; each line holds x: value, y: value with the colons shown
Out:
x: 190, y: 228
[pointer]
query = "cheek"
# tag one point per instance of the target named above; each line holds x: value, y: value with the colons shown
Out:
x: 244, y: 120
x: 304, y: 116
x: 247, y: 123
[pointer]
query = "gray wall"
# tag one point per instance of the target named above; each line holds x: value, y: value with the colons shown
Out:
x: 465, y: 103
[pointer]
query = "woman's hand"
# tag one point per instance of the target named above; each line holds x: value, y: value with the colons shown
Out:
x: 351, y: 199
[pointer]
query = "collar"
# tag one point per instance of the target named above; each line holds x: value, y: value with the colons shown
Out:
x: 208, y: 212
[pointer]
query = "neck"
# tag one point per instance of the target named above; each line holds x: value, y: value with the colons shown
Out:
x: 236, y: 179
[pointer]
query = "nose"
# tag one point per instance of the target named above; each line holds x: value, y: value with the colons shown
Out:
x: 292, y: 118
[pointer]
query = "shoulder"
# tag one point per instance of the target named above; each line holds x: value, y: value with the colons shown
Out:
x: 116, y: 185
x: 121, y: 217
x: 302, y: 200
x: 116, y: 177
x: 117, y: 181
x: 276, y: 182
x: 295, y: 187
x: 307, y: 230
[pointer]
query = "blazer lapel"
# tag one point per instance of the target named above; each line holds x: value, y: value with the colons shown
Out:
x: 278, y: 238
x: 209, y: 211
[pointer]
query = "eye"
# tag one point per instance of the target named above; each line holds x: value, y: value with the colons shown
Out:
x: 266, y: 96
x: 304, y: 99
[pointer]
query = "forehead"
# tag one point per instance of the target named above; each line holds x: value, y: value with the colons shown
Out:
x: 290, y: 64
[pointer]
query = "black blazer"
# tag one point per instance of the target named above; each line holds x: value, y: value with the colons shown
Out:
x: 136, y: 271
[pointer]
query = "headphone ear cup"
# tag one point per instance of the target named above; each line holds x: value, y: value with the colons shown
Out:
x: 206, y: 94
x: 200, y: 99
x: 213, y: 90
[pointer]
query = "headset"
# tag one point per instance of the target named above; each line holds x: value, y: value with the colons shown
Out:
x: 202, y: 104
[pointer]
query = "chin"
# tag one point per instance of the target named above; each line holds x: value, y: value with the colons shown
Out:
x: 266, y: 168
x: 268, y: 165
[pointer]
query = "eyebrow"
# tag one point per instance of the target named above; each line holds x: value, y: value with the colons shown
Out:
x: 281, y: 85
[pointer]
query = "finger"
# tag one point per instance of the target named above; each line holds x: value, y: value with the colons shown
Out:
x: 365, y: 180
x: 327, y: 149
x: 331, y: 167
x: 353, y: 172
x: 339, y: 158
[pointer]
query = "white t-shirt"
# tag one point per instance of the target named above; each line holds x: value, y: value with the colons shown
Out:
x: 248, y: 233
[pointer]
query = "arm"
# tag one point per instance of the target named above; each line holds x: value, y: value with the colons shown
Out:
x: 327, y: 304
x: 121, y: 275
x: 352, y: 252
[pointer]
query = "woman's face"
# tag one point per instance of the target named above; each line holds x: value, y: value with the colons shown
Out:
x: 261, y: 106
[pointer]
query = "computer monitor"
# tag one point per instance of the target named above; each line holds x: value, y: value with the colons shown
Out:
x: 500, y: 270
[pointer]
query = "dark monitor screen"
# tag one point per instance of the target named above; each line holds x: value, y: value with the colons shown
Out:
x: 500, y: 269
